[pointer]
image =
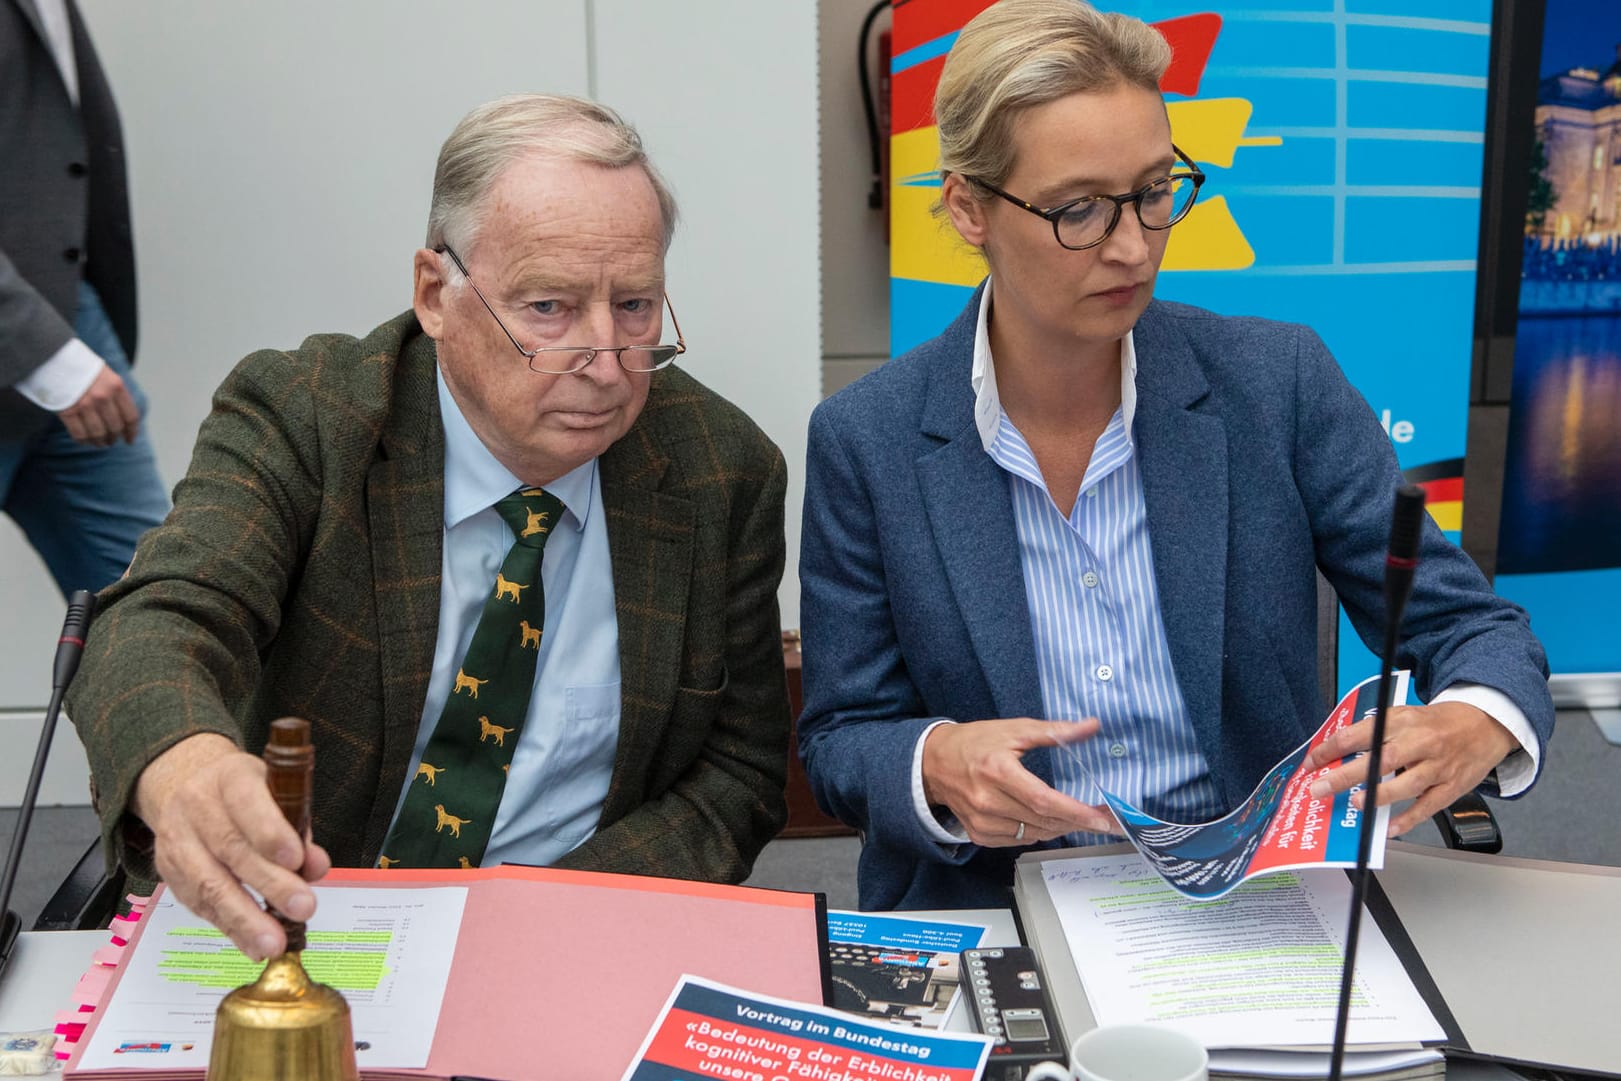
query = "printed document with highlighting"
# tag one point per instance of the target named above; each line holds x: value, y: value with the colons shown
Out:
x: 1259, y: 967
x: 387, y: 950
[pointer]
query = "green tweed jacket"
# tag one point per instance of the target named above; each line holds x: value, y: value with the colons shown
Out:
x: 298, y: 575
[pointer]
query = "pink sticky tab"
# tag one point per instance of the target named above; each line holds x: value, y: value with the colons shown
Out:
x: 121, y: 929
x: 93, y: 985
x: 107, y: 955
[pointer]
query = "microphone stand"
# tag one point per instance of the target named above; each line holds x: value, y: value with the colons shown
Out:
x: 69, y: 648
x: 1402, y: 559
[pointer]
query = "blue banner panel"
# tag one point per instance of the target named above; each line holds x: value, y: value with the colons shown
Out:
x: 1574, y: 616
x: 1559, y: 539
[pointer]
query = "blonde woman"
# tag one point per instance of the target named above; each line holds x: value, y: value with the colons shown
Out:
x: 1084, y: 517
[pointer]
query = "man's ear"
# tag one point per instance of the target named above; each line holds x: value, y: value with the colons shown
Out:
x: 428, y: 291
x: 966, y: 210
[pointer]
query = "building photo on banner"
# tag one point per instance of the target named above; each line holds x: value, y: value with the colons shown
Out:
x: 1559, y: 540
x: 1343, y: 144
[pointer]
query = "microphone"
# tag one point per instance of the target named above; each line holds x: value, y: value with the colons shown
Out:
x: 1401, y: 560
x: 69, y: 648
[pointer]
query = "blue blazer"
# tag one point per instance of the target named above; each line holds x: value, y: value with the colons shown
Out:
x: 1260, y: 463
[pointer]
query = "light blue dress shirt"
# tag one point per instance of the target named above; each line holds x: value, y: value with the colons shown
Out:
x: 1101, y: 648
x: 564, y: 757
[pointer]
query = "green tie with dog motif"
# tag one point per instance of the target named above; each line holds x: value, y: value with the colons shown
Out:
x: 450, y: 809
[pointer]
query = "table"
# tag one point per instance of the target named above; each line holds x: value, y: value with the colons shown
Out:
x: 46, y: 966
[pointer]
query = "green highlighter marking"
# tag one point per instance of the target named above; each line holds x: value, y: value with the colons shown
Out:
x: 346, y: 960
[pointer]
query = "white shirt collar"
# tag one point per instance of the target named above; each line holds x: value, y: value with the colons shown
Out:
x: 988, y: 403
x: 475, y: 479
x: 53, y: 17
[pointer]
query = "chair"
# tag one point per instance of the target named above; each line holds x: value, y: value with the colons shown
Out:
x: 1468, y: 824
x: 87, y: 898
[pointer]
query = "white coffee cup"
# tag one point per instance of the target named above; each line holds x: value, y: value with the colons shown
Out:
x: 1129, y: 1053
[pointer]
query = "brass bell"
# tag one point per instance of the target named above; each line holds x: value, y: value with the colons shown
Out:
x: 285, y: 1026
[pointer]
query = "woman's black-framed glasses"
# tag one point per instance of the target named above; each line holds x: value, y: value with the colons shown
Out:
x: 568, y: 359
x: 1087, y: 222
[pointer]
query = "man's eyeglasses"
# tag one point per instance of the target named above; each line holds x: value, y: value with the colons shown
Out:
x: 1087, y: 222
x: 568, y: 359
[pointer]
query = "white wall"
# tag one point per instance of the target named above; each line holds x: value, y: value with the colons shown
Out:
x: 855, y: 256
x: 281, y: 158
x: 725, y: 97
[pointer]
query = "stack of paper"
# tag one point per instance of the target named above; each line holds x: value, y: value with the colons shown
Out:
x: 91, y: 991
x: 1254, y: 975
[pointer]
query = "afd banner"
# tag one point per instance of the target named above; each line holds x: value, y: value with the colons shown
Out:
x: 1559, y: 542
x: 1343, y: 140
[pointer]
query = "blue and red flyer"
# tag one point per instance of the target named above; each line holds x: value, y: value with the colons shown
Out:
x: 1281, y: 826
x: 708, y: 1030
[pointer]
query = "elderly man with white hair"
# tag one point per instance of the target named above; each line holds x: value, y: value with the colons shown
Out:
x: 518, y: 573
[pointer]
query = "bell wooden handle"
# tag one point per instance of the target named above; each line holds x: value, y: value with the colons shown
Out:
x: 290, y: 758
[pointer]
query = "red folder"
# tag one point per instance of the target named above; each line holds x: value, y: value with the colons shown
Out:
x: 562, y: 973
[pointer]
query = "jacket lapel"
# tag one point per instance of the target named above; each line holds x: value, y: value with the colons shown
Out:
x: 31, y: 13
x: 1182, y: 451
x: 650, y: 546
x: 76, y: 36
x: 405, y: 498
x: 970, y: 513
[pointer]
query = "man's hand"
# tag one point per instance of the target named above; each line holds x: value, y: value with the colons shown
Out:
x: 1440, y: 751
x: 105, y: 413
x: 218, y: 830
x: 975, y: 770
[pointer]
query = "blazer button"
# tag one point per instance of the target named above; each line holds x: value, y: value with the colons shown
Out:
x: 72, y: 255
x: 78, y: 168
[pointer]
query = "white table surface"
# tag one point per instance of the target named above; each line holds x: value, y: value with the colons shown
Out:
x: 44, y: 969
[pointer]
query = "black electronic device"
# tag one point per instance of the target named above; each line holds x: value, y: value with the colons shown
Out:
x: 1008, y: 994
x: 69, y: 647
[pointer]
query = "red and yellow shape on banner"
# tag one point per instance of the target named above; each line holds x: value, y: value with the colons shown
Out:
x: 1442, y: 482
x: 926, y: 248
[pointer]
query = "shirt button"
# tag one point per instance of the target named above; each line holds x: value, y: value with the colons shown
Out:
x: 71, y: 255
x: 1089, y: 580
x: 1118, y: 750
x: 77, y: 168
x: 1092, y: 492
x: 1105, y: 673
